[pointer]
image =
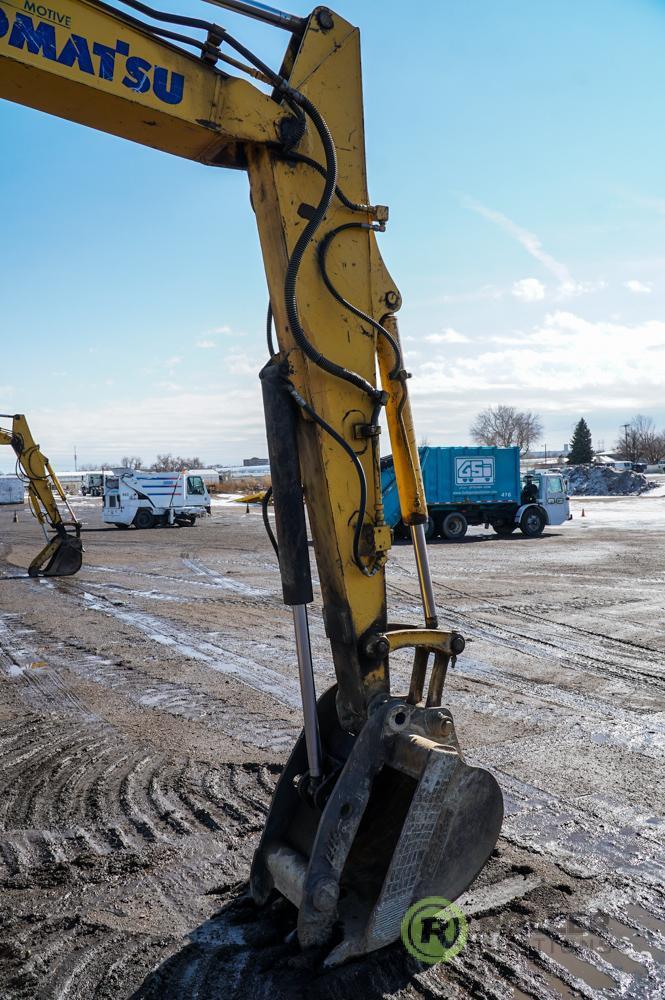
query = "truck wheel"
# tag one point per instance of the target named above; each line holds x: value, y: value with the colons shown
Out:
x: 532, y: 523
x: 504, y: 527
x: 144, y: 519
x: 430, y: 529
x: 454, y: 526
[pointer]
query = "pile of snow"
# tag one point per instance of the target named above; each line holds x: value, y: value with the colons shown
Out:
x: 602, y: 481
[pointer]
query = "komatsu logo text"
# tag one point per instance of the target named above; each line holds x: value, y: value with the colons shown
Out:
x: 107, y: 62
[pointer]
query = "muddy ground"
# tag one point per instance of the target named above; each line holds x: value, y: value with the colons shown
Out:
x: 148, y: 704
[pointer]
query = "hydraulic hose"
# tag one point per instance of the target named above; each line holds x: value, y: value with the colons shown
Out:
x: 323, y: 252
x: 362, y: 505
x: 301, y: 246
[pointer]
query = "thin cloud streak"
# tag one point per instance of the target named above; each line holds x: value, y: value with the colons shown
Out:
x: 528, y: 240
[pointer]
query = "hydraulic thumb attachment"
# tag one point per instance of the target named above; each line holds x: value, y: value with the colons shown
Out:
x: 363, y: 825
x: 63, y: 553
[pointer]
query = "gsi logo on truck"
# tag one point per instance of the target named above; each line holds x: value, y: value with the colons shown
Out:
x: 474, y: 471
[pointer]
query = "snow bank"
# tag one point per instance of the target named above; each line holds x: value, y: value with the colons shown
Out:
x: 601, y: 481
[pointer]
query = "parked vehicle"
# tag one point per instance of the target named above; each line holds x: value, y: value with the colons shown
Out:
x: 151, y: 499
x: 12, y: 489
x: 476, y: 486
x: 93, y: 484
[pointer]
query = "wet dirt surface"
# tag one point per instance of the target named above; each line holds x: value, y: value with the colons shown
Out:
x: 148, y: 704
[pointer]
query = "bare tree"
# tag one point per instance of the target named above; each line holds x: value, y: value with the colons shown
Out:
x: 131, y: 462
x: 505, y: 427
x: 639, y: 439
x: 175, y: 463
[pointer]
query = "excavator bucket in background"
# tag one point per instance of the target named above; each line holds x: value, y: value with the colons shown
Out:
x: 63, y: 553
x: 63, y: 556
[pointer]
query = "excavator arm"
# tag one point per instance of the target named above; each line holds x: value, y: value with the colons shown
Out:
x: 376, y: 806
x: 62, y: 554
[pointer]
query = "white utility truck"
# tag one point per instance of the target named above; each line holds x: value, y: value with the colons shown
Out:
x: 93, y: 484
x: 12, y: 489
x: 151, y: 499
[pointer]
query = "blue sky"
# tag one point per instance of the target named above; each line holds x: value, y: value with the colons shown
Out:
x: 521, y: 149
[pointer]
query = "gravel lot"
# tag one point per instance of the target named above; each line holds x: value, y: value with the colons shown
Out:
x: 148, y: 704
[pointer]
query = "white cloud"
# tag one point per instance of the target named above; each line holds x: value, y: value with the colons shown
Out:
x: 205, y: 344
x: 565, y: 364
x: 239, y: 363
x: 529, y: 290
x: 448, y: 336
x: 529, y: 241
x: 571, y: 289
x: 218, y: 426
x: 172, y: 362
x: 638, y: 287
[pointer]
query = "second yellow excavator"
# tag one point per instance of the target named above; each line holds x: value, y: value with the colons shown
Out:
x: 63, y: 553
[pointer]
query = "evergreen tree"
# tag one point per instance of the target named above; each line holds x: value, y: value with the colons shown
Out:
x: 581, y: 448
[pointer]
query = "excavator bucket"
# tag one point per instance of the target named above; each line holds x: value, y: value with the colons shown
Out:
x: 62, y: 556
x: 400, y: 817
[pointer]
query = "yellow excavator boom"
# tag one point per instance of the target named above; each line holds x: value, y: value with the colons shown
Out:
x: 376, y: 806
x: 63, y: 553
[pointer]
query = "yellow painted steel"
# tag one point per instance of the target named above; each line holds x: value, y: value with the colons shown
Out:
x: 79, y: 66
x: 42, y: 482
x: 124, y: 81
x: 408, y: 473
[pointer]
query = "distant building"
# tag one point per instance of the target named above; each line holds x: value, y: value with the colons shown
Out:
x: 247, y: 462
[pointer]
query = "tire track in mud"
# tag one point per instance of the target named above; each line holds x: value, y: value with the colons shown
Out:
x: 43, y: 682
x: 130, y: 832
x: 66, y: 789
x: 223, y: 658
x: 616, y: 657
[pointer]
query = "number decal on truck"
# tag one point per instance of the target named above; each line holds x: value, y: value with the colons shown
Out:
x: 470, y: 471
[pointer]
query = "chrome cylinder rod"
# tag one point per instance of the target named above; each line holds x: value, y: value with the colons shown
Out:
x: 424, y: 575
x: 262, y: 12
x: 307, y: 690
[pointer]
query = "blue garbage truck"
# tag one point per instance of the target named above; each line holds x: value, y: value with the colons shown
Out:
x: 479, y: 486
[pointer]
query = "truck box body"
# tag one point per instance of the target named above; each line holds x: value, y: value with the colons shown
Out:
x: 12, y: 490
x: 460, y: 476
x: 479, y: 486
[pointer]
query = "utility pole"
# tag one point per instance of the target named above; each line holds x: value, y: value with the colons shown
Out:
x: 625, y: 431
x: 75, y: 460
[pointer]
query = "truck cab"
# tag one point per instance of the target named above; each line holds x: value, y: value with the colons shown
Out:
x: 549, y: 494
x: 93, y: 484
